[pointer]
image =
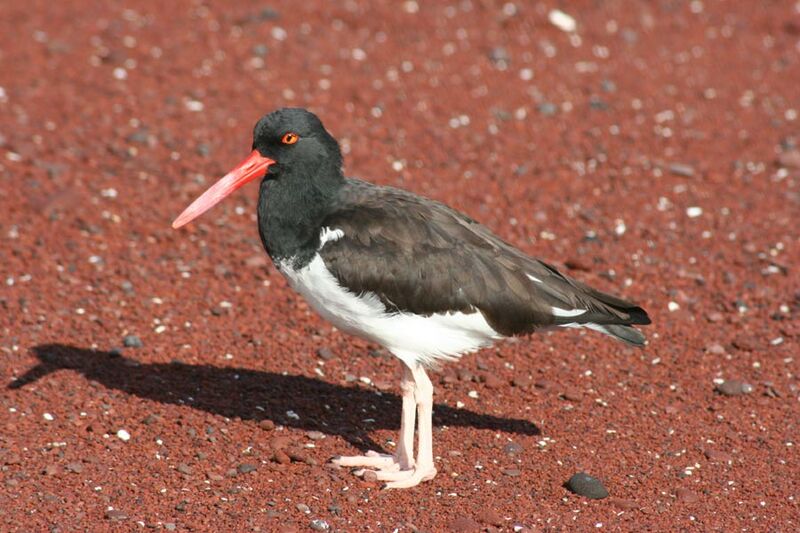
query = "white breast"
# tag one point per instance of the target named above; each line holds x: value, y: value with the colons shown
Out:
x: 412, y: 338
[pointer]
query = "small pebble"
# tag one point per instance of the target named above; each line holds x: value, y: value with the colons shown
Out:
x: 512, y: 472
x: 281, y: 457
x: 715, y: 349
x: 491, y: 517
x: 315, y: 435
x: 561, y: 20
x: 256, y: 261
x: 325, y: 353
x: 625, y: 505
x: 123, y: 435
x: 493, y: 382
x: 75, y: 468
x: 789, y: 159
x: 463, y: 524
x: 717, y: 456
x: 183, y: 468
x: 734, y: 387
x: 303, y: 508
x: 132, y: 341
x: 500, y: 57
x: 694, y: 211
x: 319, y: 524
x: 679, y: 169
x: 685, y: 495
x: 246, y: 468
x: 512, y: 448
x: 521, y: 381
x: 116, y: 515
x: 572, y: 394
x: 586, y: 485
x: 267, y: 425
x: 547, y: 109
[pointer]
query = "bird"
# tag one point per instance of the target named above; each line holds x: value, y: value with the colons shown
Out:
x: 425, y: 281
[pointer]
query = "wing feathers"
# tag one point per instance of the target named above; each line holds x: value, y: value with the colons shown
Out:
x: 421, y: 256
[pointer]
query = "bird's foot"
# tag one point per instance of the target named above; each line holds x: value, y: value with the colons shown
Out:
x: 372, y: 460
x: 404, y: 479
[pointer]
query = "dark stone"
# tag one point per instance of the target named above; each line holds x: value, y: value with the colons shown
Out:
x: 585, y: 485
x: 246, y: 468
x: 132, y: 341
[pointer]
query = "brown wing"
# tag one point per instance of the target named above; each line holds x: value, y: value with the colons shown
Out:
x: 423, y: 257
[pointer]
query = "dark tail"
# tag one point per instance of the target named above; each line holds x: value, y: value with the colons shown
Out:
x: 626, y: 334
x: 615, y: 327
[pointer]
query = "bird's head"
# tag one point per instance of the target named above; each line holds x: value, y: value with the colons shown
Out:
x: 289, y: 143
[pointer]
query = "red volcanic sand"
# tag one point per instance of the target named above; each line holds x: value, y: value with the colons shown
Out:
x: 652, y: 153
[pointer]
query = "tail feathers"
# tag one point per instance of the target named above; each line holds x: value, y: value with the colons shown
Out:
x: 621, y: 330
x: 638, y: 315
x: 626, y: 334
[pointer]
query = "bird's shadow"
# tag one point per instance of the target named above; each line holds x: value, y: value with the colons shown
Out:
x: 349, y: 411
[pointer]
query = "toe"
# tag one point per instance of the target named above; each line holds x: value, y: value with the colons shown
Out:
x: 373, y: 460
x: 411, y: 479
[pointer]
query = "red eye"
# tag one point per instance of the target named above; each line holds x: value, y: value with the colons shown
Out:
x: 290, y: 138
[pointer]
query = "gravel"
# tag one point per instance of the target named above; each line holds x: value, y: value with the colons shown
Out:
x: 527, y: 176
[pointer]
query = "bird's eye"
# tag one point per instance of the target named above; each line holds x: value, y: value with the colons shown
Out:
x: 290, y: 138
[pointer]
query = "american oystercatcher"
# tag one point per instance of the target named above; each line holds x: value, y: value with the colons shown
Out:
x: 413, y: 275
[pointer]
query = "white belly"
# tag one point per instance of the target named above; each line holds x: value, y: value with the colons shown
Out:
x: 412, y: 338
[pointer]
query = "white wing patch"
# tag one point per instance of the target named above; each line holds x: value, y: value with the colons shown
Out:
x: 533, y: 278
x: 329, y: 235
x: 412, y: 338
x: 557, y: 311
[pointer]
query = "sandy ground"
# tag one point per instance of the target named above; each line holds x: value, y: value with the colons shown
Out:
x: 651, y: 152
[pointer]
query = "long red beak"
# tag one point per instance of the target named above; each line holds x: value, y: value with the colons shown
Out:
x: 255, y: 166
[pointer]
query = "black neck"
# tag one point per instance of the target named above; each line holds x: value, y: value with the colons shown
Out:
x: 291, y: 209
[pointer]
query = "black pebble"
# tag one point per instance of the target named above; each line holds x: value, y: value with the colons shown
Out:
x: 586, y: 485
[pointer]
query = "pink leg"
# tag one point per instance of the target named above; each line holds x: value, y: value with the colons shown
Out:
x: 403, y: 459
x: 424, y: 469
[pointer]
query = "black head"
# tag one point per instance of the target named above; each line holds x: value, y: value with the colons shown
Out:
x: 292, y: 150
x: 297, y: 141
